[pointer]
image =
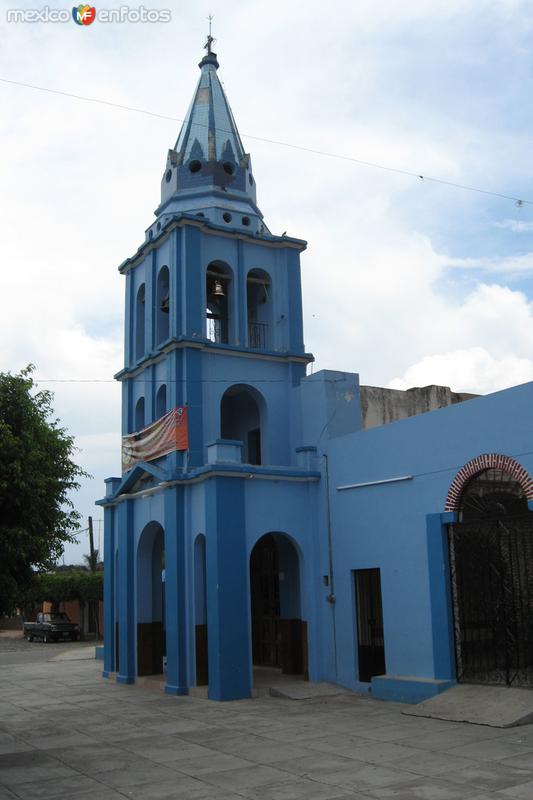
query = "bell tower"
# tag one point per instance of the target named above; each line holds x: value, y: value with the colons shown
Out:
x: 214, y: 354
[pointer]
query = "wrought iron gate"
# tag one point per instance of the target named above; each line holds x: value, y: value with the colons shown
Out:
x: 491, y: 565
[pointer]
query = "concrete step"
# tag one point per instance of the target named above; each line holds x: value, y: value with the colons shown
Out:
x: 496, y: 706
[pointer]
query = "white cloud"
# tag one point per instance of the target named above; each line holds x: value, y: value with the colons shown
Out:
x: 472, y: 370
x: 513, y: 265
x: 515, y: 225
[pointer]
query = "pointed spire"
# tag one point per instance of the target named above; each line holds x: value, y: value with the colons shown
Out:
x: 209, y: 158
x: 209, y: 120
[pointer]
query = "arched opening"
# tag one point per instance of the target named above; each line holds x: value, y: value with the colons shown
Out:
x: 491, y: 569
x: 161, y: 401
x: 259, y: 304
x: 162, y: 305
x: 218, y: 303
x: 240, y: 419
x: 140, y: 309
x: 200, y: 611
x: 150, y: 601
x: 139, y: 414
x: 279, y: 635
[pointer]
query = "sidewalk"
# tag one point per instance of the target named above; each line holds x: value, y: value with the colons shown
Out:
x: 67, y: 733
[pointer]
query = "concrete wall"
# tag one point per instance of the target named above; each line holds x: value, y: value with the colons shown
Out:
x: 380, y: 406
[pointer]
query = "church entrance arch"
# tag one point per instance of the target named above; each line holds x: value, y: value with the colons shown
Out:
x: 279, y: 635
x: 491, y: 568
x: 150, y: 600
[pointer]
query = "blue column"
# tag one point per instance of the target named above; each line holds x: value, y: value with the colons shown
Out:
x: 229, y: 646
x: 240, y: 299
x: 175, y: 615
x: 194, y: 401
x: 294, y: 284
x: 440, y: 596
x: 193, y: 286
x: 126, y: 598
x: 176, y: 315
x: 109, y: 591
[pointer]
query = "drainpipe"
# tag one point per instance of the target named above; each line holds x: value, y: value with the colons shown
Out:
x: 331, y: 596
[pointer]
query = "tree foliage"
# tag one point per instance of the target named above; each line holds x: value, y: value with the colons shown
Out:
x: 37, y: 474
x: 57, y: 587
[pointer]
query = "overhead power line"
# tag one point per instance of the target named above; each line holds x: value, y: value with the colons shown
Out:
x: 162, y: 381
x: 520, y: 201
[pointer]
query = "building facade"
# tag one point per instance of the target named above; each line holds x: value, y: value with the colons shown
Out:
x: 266, y: 517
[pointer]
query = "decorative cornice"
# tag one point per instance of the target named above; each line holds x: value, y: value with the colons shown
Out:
x: 210, y: 228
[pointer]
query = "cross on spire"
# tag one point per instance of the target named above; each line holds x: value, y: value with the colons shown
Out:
x: 210, y: 39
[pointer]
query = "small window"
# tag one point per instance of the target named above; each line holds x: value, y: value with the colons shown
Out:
x: 163, y: 305
x: 251, y: 180
x: 161, y: 401
x: 139, y: 414
x: 140, y: 323
x: 246, y: 221
x: 168, y: 176
x: 228, y: 167
x: 195, y: 166
x: 226, y: 216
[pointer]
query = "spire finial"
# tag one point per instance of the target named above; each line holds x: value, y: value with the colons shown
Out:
x: 210, y: 39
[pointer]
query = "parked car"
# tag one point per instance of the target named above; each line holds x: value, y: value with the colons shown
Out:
x: 51, y: 627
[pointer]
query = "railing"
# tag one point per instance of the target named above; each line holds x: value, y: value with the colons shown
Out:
x: 257, y: 335
x: 217, y: 331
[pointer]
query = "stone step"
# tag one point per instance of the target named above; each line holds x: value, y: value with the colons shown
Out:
x: 496, y: 706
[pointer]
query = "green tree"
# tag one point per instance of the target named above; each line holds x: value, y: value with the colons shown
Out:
x: 37, y: 474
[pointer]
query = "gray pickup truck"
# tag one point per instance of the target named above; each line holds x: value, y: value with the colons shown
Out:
x: 51, y: 627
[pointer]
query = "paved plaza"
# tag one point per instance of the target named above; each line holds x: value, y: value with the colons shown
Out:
x: 65, y: 732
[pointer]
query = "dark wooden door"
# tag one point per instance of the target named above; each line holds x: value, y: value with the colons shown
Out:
x: 370, y: 642
x: 264, y: 578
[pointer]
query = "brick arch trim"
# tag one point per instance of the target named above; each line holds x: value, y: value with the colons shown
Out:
x: 480, y: 464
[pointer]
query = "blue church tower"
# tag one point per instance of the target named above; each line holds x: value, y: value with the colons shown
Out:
x: 210, y: 532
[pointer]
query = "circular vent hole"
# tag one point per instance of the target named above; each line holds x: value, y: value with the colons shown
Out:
x: 228, y: 167
x: 227, y: 217
x: 195, y: 166
x: 168, y: 176
x: 246, y: 220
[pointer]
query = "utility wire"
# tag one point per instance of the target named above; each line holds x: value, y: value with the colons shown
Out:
x: 176, y: 380
x: 371, y: 164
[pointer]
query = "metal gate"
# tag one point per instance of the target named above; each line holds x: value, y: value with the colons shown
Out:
x: 491, y: 566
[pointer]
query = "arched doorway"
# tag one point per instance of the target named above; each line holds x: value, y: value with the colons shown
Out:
x: 150, y: 601
x: 240, y: 419
x: 491, y: 567
x: 279, y: 635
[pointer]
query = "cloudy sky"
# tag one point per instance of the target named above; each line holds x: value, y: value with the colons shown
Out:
x: 406, y: 281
